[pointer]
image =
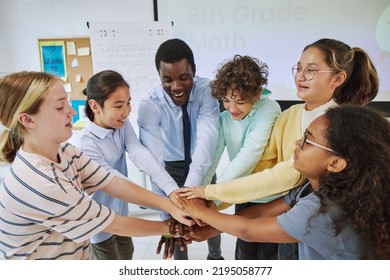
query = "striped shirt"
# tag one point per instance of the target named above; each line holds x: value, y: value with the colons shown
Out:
x: 45, y: 210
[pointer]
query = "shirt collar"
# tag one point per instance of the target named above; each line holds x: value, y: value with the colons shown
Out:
x: 97, y: 130
x: 321, y: 109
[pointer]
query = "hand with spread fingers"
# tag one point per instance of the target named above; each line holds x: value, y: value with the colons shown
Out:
x: 177, y: 231
x: 169, y: 246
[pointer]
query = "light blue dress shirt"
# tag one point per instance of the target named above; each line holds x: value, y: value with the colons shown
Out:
x: 161, y: 128
x: 108, y: 147
x: 244, y: 140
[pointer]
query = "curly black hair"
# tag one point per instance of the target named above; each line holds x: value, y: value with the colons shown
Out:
x: 361, y: 136
x: 242, y: 74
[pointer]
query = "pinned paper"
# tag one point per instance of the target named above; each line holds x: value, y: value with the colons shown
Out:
x: 68, y: 87
x: 78, y: 78
x: 53, y: 59
x: 75, y: 62
x: 83, y: 51
x: 71, y: 48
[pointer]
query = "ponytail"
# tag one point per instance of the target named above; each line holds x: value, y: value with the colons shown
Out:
x: 362, y: 83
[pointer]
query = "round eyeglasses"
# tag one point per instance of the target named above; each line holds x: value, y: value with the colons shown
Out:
x: 305, y: 140
x: 308, y: 72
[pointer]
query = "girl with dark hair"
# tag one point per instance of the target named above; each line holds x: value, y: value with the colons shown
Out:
x: 107, y: 138
x: 46, y: 211
x: 328, y: 73
x: 342, y: 212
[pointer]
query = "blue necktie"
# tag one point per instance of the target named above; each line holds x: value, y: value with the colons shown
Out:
x: 187, y: 140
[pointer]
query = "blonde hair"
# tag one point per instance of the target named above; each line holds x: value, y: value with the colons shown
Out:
x: 20, y: 92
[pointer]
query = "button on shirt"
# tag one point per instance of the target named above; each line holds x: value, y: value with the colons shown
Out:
x: 108, y: 147
x: 161, y: 128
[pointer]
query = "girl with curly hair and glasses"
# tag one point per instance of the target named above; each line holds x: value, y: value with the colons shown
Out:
x: 329, y: 73
x: 342, y: 211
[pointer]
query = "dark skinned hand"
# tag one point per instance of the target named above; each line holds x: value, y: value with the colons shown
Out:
x: 200, y: 234
x: 177, y: 230
x: 169, y: 245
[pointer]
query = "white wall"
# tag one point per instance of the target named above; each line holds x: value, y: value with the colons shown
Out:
x: 274, y: 31
x: 23, y: 22
x: 277, y: 31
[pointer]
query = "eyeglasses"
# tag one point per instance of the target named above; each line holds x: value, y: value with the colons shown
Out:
x: 305, y: 140
x: 308, y: 72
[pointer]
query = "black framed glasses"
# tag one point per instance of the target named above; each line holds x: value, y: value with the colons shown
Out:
x: 305, y: 140
x: 308, y: 72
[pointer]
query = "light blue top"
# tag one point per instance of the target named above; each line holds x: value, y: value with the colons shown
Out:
x: 161, y: 128
x: 244, y: 140
x: 315, y: 232
x: 108, y: 147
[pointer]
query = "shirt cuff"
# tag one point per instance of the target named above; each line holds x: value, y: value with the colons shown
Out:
x: 169, y: 188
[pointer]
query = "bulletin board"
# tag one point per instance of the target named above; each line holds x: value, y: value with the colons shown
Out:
x: 77, y: 61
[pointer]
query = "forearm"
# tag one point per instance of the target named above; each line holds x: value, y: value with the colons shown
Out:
x: 262, y: 210
x: 146, y: 162
x: 264, y: 229
x: 130, y: 226
x: 132, y: 193
x: 272, y: 181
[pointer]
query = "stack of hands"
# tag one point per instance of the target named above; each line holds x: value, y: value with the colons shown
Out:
x: 192, y: 202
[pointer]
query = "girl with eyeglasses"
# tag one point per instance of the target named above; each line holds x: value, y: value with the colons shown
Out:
x: 341, y: 212
x: 329, y: 73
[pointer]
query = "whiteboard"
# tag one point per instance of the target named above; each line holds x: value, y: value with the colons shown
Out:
x: 129, y: 48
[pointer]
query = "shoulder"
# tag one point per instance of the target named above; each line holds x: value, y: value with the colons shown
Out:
x: 202, y: 81
x: 153, y: 97
x: 70, y: 150
x: 266, y: 103
x: 304, y: 208
x: 202, y: 84
x: 294, y: 109
x: 290, y: 113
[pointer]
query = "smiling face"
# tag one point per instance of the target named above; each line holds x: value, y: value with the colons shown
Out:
x: 238, y: 108
x: 115, y: 111
x: 177, y: 80
x: 320, y: 89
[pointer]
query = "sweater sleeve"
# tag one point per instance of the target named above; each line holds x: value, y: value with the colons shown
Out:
x: 277, y: 173
x: 256, y: 186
